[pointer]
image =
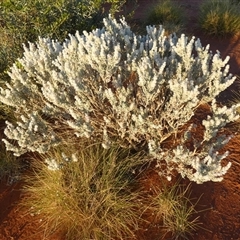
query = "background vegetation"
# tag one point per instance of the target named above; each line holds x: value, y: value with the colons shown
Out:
x: 166, y: 13
x: 24, y: 20
x: 221, y: 18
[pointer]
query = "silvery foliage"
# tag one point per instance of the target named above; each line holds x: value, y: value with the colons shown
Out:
x: 111, y: 85
x: 54, y: 165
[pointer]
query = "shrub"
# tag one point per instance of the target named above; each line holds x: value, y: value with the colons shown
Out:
x: 219, y: 17
x: 85, y: 192
x: 115, y: 87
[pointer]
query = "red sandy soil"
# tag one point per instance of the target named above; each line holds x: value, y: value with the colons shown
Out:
x: 220, y: 201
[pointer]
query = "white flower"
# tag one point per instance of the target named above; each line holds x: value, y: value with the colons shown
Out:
x: 74, y: 157
x: 52, y: 164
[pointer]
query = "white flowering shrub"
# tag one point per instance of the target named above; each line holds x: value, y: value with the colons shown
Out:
x: 111, y: 85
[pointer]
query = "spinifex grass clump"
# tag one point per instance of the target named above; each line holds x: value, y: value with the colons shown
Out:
x: 174, y: 211
x: 115, y: 87
x: 218, y: 17
x: 86, y: 192
x: 166, y: 13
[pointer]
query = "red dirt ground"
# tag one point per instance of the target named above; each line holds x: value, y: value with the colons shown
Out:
x: 220, y: 201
